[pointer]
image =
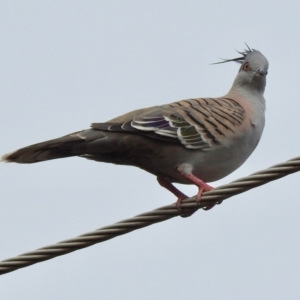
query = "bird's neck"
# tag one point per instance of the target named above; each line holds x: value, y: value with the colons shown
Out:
x: 253, y: 85
x: 252, y: 95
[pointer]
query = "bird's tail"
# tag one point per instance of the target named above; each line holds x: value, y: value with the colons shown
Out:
x: 65, y: 146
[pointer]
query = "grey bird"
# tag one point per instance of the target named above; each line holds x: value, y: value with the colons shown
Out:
x: 192, y: 141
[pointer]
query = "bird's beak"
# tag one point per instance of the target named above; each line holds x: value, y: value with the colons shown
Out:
x: 261, y: 72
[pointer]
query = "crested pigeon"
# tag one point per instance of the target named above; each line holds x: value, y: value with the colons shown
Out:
x: 192, y: 141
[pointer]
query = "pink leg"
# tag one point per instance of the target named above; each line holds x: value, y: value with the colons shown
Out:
x: 166, y: 183
x: 203, y: 187
x: 185, y: 171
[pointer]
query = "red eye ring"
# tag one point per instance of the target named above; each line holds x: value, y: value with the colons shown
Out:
x: 246, y: 67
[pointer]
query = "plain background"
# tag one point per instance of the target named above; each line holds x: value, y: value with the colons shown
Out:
x: 65, y: 64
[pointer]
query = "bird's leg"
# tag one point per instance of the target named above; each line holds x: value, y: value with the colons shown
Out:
x: 203, y: 187
x: 166, y: 183
x: 185, y: 171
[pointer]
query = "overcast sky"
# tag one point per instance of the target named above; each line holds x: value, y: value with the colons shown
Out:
x: 66, y: 64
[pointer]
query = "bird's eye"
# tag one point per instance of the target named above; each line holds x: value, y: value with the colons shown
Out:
x: 246, y: 67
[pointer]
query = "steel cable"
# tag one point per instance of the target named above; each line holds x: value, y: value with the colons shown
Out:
x: 158, y: 215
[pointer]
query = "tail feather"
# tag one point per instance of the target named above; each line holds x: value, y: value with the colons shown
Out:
x: 52, y: 149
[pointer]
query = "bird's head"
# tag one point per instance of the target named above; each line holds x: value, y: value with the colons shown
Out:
x: 253, y: 71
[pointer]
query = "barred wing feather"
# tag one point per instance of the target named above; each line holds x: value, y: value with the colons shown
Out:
x: 196, y: 123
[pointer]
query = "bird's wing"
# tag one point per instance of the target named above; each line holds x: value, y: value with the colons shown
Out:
x: 196, y: 123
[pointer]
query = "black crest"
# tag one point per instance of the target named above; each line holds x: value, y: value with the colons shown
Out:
x: 239, y: 60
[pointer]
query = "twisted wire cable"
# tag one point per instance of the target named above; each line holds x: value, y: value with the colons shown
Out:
x: 158, y: 215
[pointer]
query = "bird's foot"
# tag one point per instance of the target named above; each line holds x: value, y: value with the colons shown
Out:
x: 184, y: 213
x: 199, y: 197
x: 203, y: 187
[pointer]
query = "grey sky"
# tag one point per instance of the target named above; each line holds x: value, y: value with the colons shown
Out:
x: 65, y: 64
